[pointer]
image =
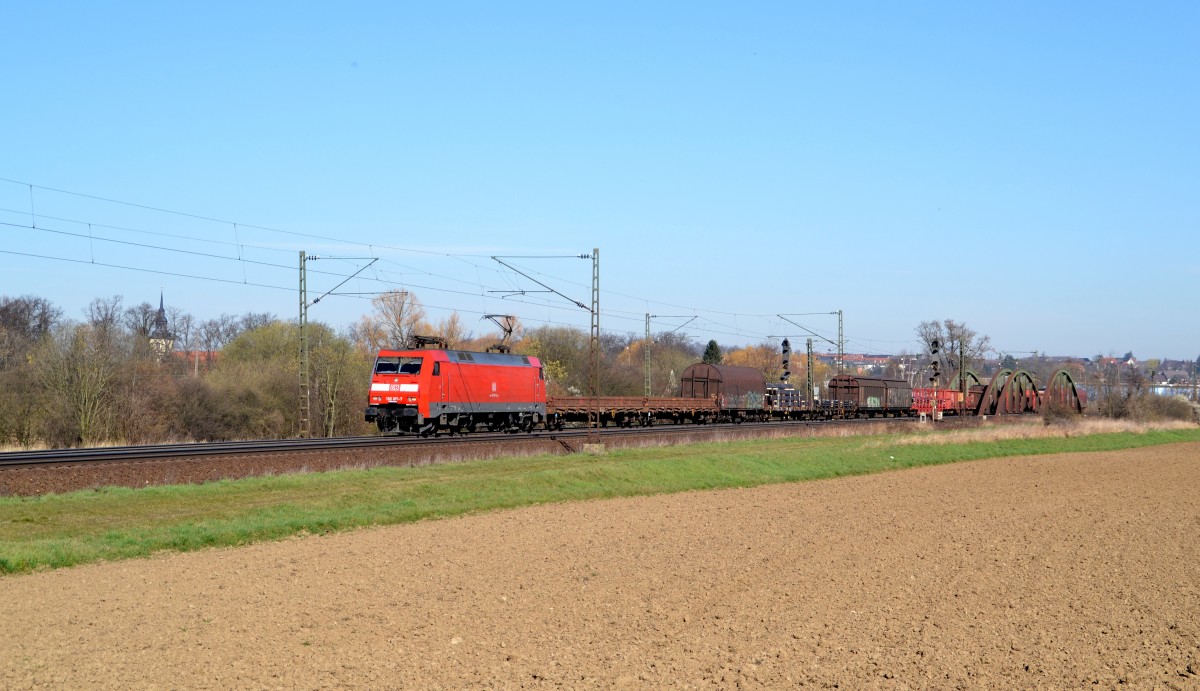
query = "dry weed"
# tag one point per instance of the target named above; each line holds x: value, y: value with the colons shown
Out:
x: 1034, y: 429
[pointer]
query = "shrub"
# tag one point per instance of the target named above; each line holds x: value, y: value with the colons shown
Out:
x: 1056, y: 413
x: 1143, y: 406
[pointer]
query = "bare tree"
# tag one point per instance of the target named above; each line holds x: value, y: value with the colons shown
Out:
x: 671, y: 353
x: 215, y: 333
x: 397, y: 317
x: 139, y: 319
x: 77, y: 368
x: 183, y: 325
x: 451, y: 329
x: 366, y: 335
x: 28, y: 316
x: 104, y: 314
x: 6, y: 348
x: 24, y: 321
x: 340, y: 374
x: 253, y: 320
x: 953, y: 338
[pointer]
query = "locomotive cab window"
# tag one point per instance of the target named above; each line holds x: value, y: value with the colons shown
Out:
x: 398, y: 365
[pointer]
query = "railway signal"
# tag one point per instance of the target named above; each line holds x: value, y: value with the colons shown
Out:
x: 787, y: 353
x: 934, y: 346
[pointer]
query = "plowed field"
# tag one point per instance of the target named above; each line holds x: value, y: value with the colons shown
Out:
x: 1038, y: 572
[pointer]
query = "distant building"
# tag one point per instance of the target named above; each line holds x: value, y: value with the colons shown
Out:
x: 856, y: 363
x: 161, y: 338
x: 196, y: 360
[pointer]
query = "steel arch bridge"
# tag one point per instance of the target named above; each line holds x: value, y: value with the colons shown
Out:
x: 1013, y: 392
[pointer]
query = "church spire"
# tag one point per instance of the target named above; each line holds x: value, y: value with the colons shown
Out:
x: 160, y: 334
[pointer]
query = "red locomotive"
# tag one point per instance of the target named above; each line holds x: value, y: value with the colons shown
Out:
x: 455, y: 391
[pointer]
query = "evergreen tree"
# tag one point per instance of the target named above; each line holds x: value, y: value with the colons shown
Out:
x: 712, y: 354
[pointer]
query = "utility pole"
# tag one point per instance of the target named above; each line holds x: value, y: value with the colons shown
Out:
x: 811, y: 393
x: 591, y: 443
x: 304, y: 399
x: 841, y: 344
x: 646, y: 352
x: 962, y: 377
x: 304, y: 305
x: 593, y: 435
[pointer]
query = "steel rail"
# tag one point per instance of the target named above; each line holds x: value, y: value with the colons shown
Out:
x: 171, y: 451
x: 166, y: 452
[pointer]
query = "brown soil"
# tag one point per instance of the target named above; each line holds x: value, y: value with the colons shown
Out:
x: 1045, y: 572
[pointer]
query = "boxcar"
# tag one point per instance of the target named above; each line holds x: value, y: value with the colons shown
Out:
x: 872, y: 396
x: 739, y: 391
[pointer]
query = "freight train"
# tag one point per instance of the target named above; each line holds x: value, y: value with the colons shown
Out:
x: 430, y: 391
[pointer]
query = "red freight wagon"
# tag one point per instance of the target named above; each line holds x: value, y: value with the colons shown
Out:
x: 431, y: 391
x: 947, y: 400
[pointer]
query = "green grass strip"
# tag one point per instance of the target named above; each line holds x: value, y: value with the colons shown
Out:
x: 115, y: 523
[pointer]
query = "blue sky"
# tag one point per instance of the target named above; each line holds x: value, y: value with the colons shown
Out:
x: 1031, y: 169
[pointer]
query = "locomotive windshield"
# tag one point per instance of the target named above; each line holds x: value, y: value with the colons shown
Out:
x: 398, y: 365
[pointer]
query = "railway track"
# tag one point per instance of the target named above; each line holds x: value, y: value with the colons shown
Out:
x: 113, y: 454
x: 118, y: 454
x: 30, y: 473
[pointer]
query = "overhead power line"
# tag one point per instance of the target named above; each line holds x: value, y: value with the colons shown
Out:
x: 149, y: 271
x: 37, y: 222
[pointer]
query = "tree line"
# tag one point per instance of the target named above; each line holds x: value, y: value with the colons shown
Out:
x: 102, y: 379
